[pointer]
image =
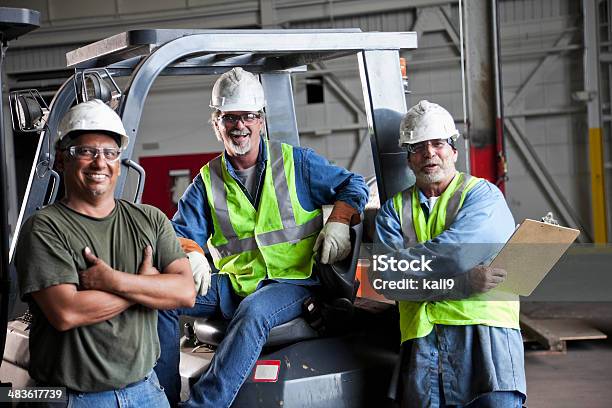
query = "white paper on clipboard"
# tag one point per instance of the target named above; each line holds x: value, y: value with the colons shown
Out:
x: 530, y: 253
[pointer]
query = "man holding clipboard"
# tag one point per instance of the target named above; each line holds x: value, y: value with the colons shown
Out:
x: 459, y: 349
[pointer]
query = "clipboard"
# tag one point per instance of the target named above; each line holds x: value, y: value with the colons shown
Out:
x: 530, y: 253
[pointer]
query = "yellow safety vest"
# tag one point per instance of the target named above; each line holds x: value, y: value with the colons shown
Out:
x: 417, y: 319
x: 274, y: 240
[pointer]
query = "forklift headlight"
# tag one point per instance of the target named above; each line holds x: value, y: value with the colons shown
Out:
x: 29, y: 110
x: 97, y: 83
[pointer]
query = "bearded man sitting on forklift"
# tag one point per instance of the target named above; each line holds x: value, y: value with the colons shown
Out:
x: 258, y: 207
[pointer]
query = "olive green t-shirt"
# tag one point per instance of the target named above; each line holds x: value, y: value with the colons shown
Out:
x: 106, y: 355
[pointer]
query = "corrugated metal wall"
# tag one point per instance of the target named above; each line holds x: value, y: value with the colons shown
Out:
x: 175, y: 116
x: 554, y: 124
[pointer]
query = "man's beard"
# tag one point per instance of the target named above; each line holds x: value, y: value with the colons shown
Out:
x: 445, y: 170
x: 240, y: 150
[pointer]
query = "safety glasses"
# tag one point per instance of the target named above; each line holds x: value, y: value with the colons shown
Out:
x: 89, y: 153
x: 437, y: 144
x: 246, y: 118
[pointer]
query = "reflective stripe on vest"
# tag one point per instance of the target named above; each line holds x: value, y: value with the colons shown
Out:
x: 406, y: 209
x: 417, y: 318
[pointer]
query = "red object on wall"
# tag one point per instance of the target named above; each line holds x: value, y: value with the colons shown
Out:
x: 482, y: 162
x: 163, y: 173
x: 485, y: 162
x: 489, y: 161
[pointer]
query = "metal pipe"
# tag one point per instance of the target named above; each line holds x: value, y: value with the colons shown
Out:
x: 538, y: 51
x: 4, y: 225
x: 545, y: 112
x: 500, y: 148
x: 141, y: 178
x: 464, y: 92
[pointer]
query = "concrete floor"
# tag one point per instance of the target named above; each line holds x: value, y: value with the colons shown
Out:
x: 583, y: 376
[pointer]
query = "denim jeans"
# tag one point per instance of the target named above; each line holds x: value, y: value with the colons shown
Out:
x: 144, y: 393
x: 471, y: 366
x: 496, y: 399
x: 250, y: 318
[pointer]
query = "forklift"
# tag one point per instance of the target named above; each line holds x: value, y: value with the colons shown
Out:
x: 342, y: 351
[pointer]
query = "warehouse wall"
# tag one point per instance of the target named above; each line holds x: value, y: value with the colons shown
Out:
x: 560, y: 139
x: 552, y: 122
x: 175, y: 116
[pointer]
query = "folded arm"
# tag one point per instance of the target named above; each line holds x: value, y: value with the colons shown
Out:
x: 66, y: 307
x: 170, y: 289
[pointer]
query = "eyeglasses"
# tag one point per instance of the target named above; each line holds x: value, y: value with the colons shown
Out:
x: 246, y: 118
x: 437, y: 144
x: 110, y: 154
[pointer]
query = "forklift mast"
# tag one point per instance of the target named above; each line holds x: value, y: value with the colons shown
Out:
x: 143, y: 55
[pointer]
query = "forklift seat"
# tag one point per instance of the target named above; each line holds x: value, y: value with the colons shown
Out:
x: 338, y: 289
x: 211, y: 331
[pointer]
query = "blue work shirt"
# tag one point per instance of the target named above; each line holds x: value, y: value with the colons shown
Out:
x: 318, y: 183
x: 471, y: 360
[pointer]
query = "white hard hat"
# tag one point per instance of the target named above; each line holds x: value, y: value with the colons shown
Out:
x: 427, y: 121
x: 93, y: 116
x: 238, y: 90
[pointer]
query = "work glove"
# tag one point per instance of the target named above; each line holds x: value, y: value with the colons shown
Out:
x: 199, y: 265
x: 335, y: 237
x: 201, y: 271
x: 334, y: 242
